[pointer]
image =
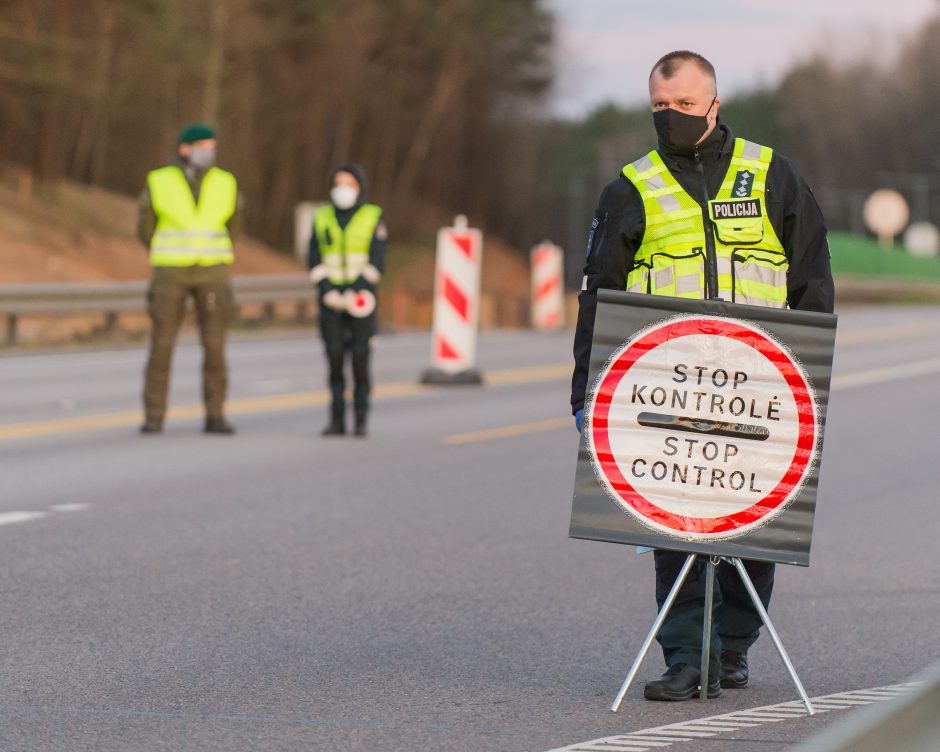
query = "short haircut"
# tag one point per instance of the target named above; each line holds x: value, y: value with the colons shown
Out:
x: 667, y: 65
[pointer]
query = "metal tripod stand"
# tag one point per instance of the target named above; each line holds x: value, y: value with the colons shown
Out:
x: 707, y: 627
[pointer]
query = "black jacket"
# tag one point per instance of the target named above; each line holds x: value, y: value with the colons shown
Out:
x: 377, y: 247
x: 376, y: 250
x: 619, y: 223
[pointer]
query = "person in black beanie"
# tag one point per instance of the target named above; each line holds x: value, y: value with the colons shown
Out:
x: 346, y: 260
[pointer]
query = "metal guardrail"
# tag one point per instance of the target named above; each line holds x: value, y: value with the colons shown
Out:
x: 910, y: 723
x: 113, y: 298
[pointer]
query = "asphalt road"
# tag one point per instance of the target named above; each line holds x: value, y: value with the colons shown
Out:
x: 415, y: 590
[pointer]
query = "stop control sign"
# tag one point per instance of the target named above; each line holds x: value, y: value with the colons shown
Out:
x: 703, y: 428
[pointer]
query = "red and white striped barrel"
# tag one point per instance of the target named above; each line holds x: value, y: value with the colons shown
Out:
x: 456, y: 298
x: 548, y: 298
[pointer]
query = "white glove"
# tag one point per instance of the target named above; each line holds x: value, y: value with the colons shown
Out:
x: 318, y: 274
x: 371, y: 275
x: 334, y: 299
x: 359, y: 304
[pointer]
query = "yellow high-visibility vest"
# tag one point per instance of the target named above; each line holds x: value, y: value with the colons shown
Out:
x: 344, y: 252
x: 190, y: 233
x: 752, y: 263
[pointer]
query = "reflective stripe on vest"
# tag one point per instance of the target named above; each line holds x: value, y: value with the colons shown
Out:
x: 752, y: 264
x: 190, y: 233
x: 345, y: 251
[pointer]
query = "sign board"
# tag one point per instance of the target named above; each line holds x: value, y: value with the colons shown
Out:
x: 885, y: 213
x: 922, y: 239
x: 704, y: 428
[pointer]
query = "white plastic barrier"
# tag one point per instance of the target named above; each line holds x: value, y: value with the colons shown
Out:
x: 303, y: 227
x: 456, y: 306
x: 548, y: 298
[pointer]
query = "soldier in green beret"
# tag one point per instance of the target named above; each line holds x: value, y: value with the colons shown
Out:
x: 189, y: 212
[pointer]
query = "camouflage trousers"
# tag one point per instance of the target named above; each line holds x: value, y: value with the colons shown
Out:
x: 211, y: 291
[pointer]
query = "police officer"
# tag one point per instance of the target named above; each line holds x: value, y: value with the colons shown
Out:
x: 346, y: 260
x: 189, y: 211
x: 654, y: 232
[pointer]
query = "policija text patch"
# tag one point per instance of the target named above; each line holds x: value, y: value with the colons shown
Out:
x: 735, y: 209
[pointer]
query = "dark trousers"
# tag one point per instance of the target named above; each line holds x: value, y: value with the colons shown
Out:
x: 343, y: 333
x: 211, y: 291
x: 735, y: 622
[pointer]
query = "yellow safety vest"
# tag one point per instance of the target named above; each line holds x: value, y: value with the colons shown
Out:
x: 752, y: 263
x: 345, y: 251
x: 190, y: 233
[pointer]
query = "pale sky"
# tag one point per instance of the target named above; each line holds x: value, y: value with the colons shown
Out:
x: 605, y: 48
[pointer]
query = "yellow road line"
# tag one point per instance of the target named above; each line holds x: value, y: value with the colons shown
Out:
x: 529, y: 375
x: 277, y: 402
x: 65, y: 425
x: 271, y: 403
x: 509, y: 377
x: 505, y: 432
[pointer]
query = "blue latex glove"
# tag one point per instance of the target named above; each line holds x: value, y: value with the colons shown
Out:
x: 579, y: 419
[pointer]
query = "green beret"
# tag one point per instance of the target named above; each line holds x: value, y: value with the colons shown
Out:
x: 195, y: 132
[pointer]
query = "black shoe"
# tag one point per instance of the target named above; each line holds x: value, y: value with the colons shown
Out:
x: 152, y: 425
x: 733, y: 669
x: 680, y: 682
x: 361, y: 416
x: 337, y: 424
x: 219, y: 425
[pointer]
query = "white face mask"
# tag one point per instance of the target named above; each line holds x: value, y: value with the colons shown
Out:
x: 344, y: 196
x: 202, y: 156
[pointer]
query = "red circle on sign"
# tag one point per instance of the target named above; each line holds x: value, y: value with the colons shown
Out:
x: 806, y: 432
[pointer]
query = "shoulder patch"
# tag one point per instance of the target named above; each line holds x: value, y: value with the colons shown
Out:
x: 592, y: 233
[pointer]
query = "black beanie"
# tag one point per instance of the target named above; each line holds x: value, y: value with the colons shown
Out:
x: 357, y: 171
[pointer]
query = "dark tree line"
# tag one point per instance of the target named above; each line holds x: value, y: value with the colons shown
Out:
x: 432, y: 97
x: 442, y: 101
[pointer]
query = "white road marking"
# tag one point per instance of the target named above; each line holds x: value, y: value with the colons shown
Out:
x: 651, y: 739
x: 69, y: 507
x: 770, y: 717
x: 11, y: 518
x: 888, y: 373
x: 882, y: 333
x: 843, y: 702
x: 647, y: 743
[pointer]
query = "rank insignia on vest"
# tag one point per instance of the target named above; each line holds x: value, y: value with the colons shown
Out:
x: 743, y: 184
x: 735, y: 209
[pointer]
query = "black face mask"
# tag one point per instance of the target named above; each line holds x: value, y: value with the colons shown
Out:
x: 679, y: 130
